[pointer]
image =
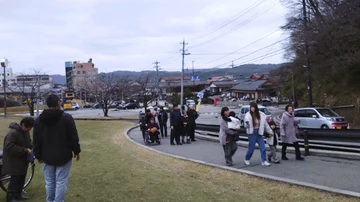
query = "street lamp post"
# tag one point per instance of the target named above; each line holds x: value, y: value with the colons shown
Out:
x: 4, y: 64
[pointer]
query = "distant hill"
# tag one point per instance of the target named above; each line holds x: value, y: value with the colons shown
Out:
x: 237, y: 71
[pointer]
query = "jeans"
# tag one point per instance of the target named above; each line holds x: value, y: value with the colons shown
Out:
x: 56, y: 178
x: 253, y: 139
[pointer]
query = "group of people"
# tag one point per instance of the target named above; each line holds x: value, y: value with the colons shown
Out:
x: 182, y: 124
x: 257, y: 129
x: 55, y: 143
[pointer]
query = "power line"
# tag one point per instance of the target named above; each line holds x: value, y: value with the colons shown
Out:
x: 243, y: 23
x: 237, y: 16
x: 241, y: 48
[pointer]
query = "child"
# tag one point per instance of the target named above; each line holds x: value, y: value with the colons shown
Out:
x: 234, y: 124
x: 185, y: 120
x: 272, y: 141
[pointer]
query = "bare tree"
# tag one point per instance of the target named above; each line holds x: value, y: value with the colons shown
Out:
x: 146, y: 89
x: 31, y: 87
x: 106, y: 86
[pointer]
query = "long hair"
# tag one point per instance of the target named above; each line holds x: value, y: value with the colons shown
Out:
x: 223, y: 110
x: 255, y: 115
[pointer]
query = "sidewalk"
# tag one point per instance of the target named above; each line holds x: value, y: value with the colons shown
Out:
x: 330, y: 172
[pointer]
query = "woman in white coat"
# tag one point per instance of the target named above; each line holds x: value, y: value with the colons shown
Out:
x: 256, y: 125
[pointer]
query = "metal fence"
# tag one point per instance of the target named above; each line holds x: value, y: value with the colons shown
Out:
x: 334, y: 140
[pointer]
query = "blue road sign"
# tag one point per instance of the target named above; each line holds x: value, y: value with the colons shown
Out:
x: 195, y: 78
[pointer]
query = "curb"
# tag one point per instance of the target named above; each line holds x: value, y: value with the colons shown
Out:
x: 102, y: 119
x: 259, y: 175
x: 343, y: 155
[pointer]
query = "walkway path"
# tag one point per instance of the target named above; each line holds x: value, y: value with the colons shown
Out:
x: 324, y: 171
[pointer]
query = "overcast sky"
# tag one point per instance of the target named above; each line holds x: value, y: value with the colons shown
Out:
x: 132, y: 34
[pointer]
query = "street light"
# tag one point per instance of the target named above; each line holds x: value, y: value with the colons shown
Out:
x: 4, y: 64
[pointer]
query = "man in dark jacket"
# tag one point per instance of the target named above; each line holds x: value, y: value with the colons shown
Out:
x: 163, y: 118
x: 56, y: 142
x: 193, y: 115
x: 17, y: 148
x: 176, y: 125
x: 148, y: 116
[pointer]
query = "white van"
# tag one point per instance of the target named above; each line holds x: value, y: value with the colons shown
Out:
x: 246, y: 108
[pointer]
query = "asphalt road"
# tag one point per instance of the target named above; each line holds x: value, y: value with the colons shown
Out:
x: 330, y: 172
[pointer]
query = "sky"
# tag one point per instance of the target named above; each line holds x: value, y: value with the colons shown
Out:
x: 132, y: 34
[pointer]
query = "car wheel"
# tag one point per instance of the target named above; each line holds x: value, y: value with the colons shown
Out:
x: 324, y: 127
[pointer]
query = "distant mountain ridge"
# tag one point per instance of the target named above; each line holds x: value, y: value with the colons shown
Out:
x: 237, y: 71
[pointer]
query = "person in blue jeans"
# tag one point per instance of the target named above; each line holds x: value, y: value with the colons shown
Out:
x: 256, y: 125
x: 55, y: 143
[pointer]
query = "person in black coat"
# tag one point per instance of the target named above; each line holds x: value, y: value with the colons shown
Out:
x: 185, y: 134
x: 176, y: 125
x: 152, y: 132
x: 193, y: 115
x: 143, y: 124
x: 148, y: 116
x: 17, y: 148
x: 163, y: 118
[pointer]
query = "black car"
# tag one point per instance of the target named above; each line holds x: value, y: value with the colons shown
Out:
x: 129, y: 106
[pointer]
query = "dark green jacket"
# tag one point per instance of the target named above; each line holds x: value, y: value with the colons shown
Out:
x: 16, y: 145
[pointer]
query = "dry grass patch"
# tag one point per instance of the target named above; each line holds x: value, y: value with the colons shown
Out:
x: 19, y: 109
x: 114, y: 169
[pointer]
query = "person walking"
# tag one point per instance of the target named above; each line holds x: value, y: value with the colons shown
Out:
x: 163, y: 118
x: 256, y: 125
x: 185, y: 138
x: 272, y: 141
x: 193, y: 115
x: 288, y: 131
x: 227, y: 136
x: 56, y: 142
x: 176, y: 125
x: 17, y: 148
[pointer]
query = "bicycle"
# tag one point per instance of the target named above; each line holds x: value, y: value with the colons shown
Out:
x: 5, y: 179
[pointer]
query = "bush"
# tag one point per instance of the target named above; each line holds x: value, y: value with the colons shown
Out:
x: 9, y: 103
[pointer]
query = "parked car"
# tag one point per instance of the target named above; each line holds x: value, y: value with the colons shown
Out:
x: 190, y: 102
x: 75, y: 106
x: 131, y: 105
x: 246, y: 108
x: 324, y: 118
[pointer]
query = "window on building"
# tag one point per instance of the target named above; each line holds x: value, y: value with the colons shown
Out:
x: 84, y: 72
x: 78, y: 72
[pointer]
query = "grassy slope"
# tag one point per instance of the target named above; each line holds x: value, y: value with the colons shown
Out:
x: 114, y: 169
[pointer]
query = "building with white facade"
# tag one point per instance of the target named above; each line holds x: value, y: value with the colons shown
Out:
x: 9, y: 75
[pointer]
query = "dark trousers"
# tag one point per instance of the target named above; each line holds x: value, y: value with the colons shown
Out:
x: 143, y: 133
x: 229, y: 150
x: 163, y: 129
x: 16, y: 185
x: 191, y: 131
x: 175, y: 134
x: 297, y: 149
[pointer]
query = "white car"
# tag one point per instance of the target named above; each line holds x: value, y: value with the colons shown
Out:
x: 244, y: 109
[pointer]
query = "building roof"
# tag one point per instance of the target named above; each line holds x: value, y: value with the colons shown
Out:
x: 217, y: 84
x: 258, y: 76
x: 250, y: 84
x: 177, y: 78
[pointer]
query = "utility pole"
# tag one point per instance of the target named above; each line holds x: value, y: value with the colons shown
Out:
x: 307, y: 53
x: 4, y: 64
x: 232, y: 64
x: 183, y: 53
x: 38, y: 97
x: 157, y: 80
x: 193, y: 75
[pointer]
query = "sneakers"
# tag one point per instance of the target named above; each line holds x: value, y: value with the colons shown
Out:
x: 265, y: 163
x: 246, y: 162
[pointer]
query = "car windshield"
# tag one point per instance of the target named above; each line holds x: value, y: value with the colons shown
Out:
x: 265, y: 110
x: 327, y: 113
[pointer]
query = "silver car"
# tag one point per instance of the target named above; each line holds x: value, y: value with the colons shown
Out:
x: 323, y: 118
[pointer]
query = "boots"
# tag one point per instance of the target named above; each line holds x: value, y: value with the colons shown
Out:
x: 297, y: 152
x: 21, y: 197
x: 283, y: 153
x: 10, y: 196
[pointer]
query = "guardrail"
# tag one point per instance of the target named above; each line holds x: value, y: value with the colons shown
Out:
x: 330, y: 139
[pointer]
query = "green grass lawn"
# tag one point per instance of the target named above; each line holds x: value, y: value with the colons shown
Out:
x: 113, y: 169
